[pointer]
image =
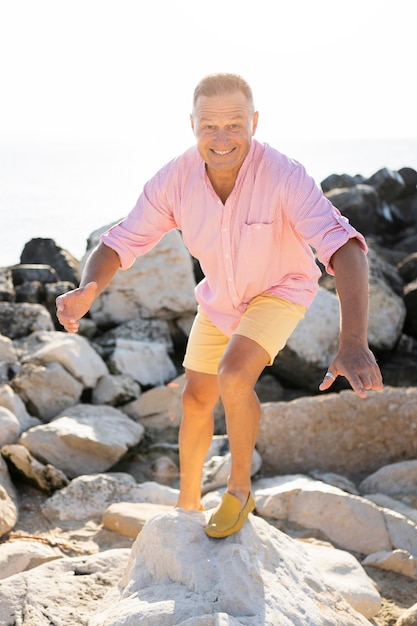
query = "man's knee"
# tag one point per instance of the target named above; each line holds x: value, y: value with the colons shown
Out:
x: 200, y: 391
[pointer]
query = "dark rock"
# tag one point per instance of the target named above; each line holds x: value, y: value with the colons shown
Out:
x: 359, y: 204
x: 19, y: 319
x: 407, y: 268
x: 399, y: 367
x: 45, y: 251
x: 409, y: 176
x: 338, y: 181
x: 27, y: 273
x: 388, y: 184
x: 407, y: 208
x: 33, y: 291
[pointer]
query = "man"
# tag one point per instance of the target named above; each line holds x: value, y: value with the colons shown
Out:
x: 251, y: 216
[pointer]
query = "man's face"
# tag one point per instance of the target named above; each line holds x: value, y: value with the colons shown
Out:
x: 223, y: 127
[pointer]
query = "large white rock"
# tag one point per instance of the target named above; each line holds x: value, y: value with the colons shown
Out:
x: 177, y: 575
x: 19, y: 556
x: 349, y: 521
x: 159, y: 284
x: 47, y: 389
x: 72, y: 351
x: 316, y: 337
x: 8, y: 501
x: 339, y: 432
x: 343, y: 572
x: 9, y: 427
x: 64, y: 592
x: 89, y: 496
x: 147, y: 363
x: 84, y: 440
x: 12, y: 401
x: 393, y: 479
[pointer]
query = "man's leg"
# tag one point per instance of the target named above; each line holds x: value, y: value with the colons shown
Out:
x: 239, y: 370
x: 200, y: 396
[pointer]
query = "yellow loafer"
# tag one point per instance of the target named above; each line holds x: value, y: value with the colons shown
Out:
x: 229, y: 517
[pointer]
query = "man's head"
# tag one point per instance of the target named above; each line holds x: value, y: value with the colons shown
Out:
x: 223, y: 121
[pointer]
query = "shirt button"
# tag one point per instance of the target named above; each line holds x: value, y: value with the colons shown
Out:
x: 230, y: 280
x: 226, y: 256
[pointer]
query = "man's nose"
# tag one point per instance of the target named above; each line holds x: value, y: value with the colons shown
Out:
x: 222, y: 136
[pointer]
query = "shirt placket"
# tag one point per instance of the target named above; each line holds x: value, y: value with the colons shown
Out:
x: 226, y: 239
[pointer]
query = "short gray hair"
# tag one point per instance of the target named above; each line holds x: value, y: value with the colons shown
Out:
x: 221, y: 83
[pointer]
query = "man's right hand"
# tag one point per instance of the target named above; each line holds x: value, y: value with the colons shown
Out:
x: 72, y: 306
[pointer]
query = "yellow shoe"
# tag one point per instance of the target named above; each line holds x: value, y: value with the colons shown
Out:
x: 229, y: 517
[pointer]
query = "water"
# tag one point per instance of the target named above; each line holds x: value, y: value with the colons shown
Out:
x: 66, y: 190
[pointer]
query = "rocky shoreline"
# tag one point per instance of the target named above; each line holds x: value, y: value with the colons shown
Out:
x: 88, y: 436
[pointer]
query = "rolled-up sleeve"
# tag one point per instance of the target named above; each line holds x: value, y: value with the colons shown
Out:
x: 315, y: 218
x: 149, y: 220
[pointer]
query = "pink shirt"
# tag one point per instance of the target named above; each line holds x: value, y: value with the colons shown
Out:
x: 258, y: 242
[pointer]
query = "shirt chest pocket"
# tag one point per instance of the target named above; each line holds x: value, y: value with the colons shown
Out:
x: 256, y: 257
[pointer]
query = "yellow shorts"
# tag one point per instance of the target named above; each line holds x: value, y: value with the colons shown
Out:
x: 268, y: 320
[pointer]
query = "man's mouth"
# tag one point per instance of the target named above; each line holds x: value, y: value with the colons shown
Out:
x: 222, y: 152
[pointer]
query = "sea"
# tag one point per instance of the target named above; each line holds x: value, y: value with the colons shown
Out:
x: 67, y: 189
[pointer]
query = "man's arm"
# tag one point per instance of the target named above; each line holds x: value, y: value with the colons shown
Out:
x: 353, y: 360
x: 101, y: 266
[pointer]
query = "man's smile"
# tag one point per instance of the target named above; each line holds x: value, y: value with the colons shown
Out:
x: 222, y: 152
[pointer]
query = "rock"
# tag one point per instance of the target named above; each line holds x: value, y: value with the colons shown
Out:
x: 408, y: 618
x: 217, y: 469
x: 360, y: 205
x: 88, y: 497
x: 64, y: 591
x: 128, y: 518
x: 393, y: 479
x: 159, y: 284
x: 9, y: 427
x: 338, y: 432
x: 21, y: 319
x: 159, y: 410
x: 343, y: 572
x: 147, y: 363
x: 47, y: 390
x: 259, y: 576
x: 392, y: 504
x: 20, y: 556
x: 8, y: 499
x: 86, y: 439
x: 45, y: 477
x: 73, y: 352
x: 33, y: 291
x: 410, y: 301
x: 338, y: 181
x: 349, y: 521
x: 115, y: 390
x: 7, y: 293
x: 26, y: 273
x: 388, y: 184
x: 45, y: 251
x: 399, y: 561
x: 12, y: 401
x: 399, y: 366
x: 407, y: 268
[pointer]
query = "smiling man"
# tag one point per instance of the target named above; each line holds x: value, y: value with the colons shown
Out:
x: 251, y: 216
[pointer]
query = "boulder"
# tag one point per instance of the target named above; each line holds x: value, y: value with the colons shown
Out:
x: 12, y: 401
x: 20, y: 556
x: 64, y: 591
x: 9, y: 427
x: 115, y: 390
x: 45, y: 477
x: 147, y: 363
x: 45, y: 251
x: 159, y: 284
x: 393, y: 479
x: 72, y: 351
x: 86, y: 439
x: 20, y: 319
x: 176, y: 574
x: 47, y: 389
x: 339, y: 432
x: 8, y: 501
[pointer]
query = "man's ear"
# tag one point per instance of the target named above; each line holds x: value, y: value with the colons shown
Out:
x: 255, y: 122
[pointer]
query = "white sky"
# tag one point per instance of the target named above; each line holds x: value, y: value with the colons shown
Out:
x: 114, y: 68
